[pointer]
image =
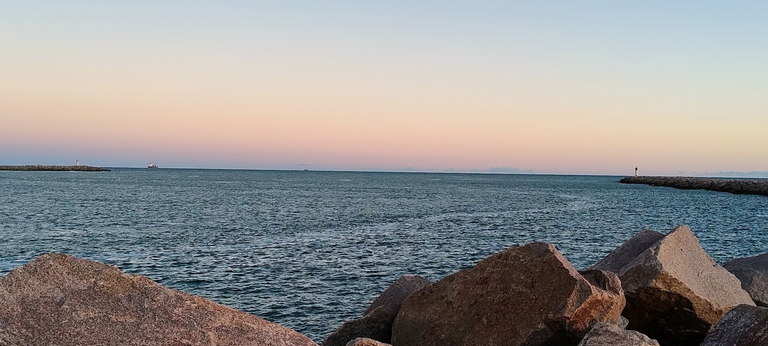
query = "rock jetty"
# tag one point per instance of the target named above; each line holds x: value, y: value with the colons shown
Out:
x: 77, y: 168
x: 654, y: 289
x: 737, y: 186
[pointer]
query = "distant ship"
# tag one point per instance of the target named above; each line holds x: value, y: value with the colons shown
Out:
x: 152, y: 165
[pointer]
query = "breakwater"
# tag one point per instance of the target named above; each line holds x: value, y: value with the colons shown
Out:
x: 51, y: 168
x: 737, y: 186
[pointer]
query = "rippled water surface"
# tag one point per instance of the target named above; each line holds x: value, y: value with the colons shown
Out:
x: 310, y: 250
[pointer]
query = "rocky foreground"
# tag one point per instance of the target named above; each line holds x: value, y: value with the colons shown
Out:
x: 737, y: 186
x: 61, y: 300
x: 49, y: 168
x: 655, y: 289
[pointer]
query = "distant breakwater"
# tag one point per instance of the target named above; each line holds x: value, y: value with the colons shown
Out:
x: 737, y: 186
x: 50, y: 168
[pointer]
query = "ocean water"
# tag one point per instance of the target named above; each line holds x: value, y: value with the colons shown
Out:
x: 310, y: 250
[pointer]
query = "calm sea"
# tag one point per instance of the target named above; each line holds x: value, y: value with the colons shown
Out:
x: 310, y: 250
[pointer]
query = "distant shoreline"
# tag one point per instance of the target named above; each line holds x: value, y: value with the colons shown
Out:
x: 736, y: 186
x: 51, y: 168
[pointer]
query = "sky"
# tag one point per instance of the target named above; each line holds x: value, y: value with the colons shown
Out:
x: 568, y: 87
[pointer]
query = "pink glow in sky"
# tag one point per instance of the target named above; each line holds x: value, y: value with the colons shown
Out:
x: 561, y: 87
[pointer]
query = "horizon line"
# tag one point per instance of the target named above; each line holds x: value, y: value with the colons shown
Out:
x: 721, y: 174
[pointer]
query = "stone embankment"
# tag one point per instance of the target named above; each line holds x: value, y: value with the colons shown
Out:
x: 49, y: 168
x: 737, y: 186
x: 655, y: 289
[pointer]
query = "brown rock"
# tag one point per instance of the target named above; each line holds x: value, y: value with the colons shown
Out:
x: 753, y: 274
x: 628, y: 251
x: 528, y: 295
x: 376, y: 325
x: 608, y: 334
x: 365, y: 342
x: 744, y: 325
x: 675, y: 292
x: 62, y: 300
x: 396, y: 293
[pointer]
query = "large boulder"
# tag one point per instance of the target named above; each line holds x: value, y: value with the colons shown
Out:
x: 62, y: 300
x: 396, y: 293
x: 628, y: 251
x: 744, y: 325
x: 753, y: 274
x: 675, y: 292
x: 365, y: 342
x: 527, y: 295
x: 376, y: 325
x: 377, y: 320
x: 607, y: 334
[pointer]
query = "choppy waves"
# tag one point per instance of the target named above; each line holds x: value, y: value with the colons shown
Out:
x: 311, y: 249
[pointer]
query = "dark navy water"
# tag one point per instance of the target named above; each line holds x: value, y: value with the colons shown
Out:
x: 310, y: 250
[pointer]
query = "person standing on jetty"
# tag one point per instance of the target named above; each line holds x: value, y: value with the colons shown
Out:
x: 635, y: 170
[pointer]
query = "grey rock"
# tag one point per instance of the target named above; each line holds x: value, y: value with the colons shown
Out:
x: 675, y: 292
x: 396, y: 293
x: 376, y: 325
x: 623, y: 322
x: 753, y: 274
x: 365, y: 342
x: 607, y: 334
x: 744, y: 325
x: 527, y: 295
x: 628, y: 251
x: 61, y: 300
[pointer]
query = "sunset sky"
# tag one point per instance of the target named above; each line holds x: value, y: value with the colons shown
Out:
x: 584, y: 87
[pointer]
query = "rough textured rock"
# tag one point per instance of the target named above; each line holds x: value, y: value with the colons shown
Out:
x: 623, y: 322
x: 628, y: 251
x: 376, y: 325
x: 675, y: 292
x: 365, y: 342
x: 744, y: 325
x: 738, y: 186
x: 753, y: 274
x: 528, y: 295
x: 607, y: 334
x: 62, y: 300
x: 396, y: 293
x: 376, y: 322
